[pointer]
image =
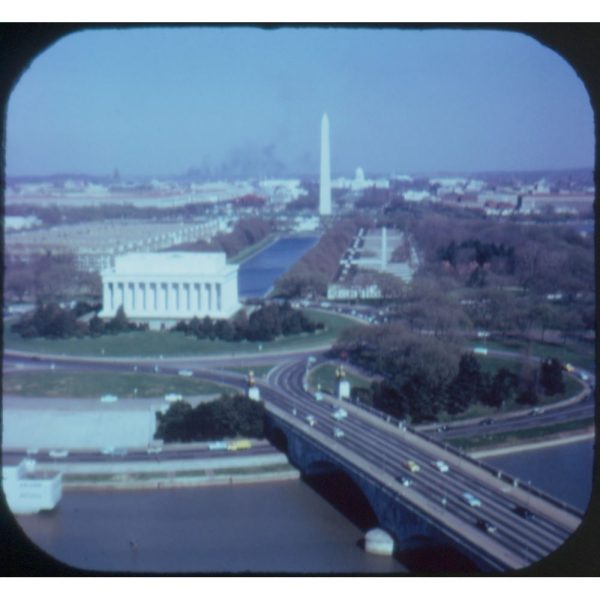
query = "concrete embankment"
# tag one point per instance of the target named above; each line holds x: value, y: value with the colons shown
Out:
x: 166, y: 473
x: 547, y: 443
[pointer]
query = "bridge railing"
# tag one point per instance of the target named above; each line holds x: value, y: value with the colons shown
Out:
x: 498, y: 473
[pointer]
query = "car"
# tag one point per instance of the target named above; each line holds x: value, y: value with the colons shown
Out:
x: 405, y: 481
x: 412, y: 466
x: 120, y: 452
x: 537, y: 411
x: 441, y: 466
x: 58, y: 453
x: 442, y: 428
x: 584, y: 376
x: 337, y: 432
x: 185, y: 373
x: 217, y: 445
x: 523, y: 512
x: 156, y: 368
x: 108, y: 450
x: 32, y: 451
x: 339, y: 414
x: 471, y: 500
x: 486, y: 526
x: 154, y: 449
x: 311, y: 420
x: 172, y: 397
x: 109, y: 398
x: 52, y: 366
x: 486, y: 421
x: 318, y: 396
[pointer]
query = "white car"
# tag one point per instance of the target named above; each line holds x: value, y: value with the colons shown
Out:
x: 337, y: 432
x: 108, y: 398
x: 58, y: 453
x: 339, y: 414
x: 108, y: 450
x: 185, y: 373
x: 441, y: 466
x: 471, y: 500
x: 311, y: 420
x: 173, y: 397
x: 217, y: 446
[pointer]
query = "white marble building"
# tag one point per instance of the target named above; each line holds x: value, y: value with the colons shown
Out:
x: 163, y: 288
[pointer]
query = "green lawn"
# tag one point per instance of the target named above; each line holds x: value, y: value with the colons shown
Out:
x: 60, y: 384
x: 154, y: 343
x: 582, y: 356
x: 520, y: 436
x: 259, y: 370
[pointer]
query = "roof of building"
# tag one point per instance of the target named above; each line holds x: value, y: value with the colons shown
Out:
x: 171, y: 263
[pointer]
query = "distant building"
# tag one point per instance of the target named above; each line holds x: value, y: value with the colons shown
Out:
x: 28, y: 490
x: 325, y: 177
x: 160, y: 289
x: 96, y: 244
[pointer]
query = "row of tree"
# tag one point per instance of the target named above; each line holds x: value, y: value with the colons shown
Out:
x: 50, y: 320
x: 265, y: 324
x: 311, y: 274
x: 47, y: 277
x: 422, y: 376
x: 246, y: 232
x: 229, y: 416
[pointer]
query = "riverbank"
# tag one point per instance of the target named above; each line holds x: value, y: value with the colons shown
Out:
x: 545, y: 443
x: 167, y: 473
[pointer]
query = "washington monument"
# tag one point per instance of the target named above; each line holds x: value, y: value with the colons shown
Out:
x: 325, y: 187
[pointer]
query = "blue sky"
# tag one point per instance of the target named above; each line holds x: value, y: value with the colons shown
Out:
x: 246, y: 101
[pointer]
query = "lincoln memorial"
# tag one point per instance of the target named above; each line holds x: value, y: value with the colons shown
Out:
x: 163, y: 288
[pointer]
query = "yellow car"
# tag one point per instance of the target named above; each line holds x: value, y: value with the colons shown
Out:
x: 412, y: 466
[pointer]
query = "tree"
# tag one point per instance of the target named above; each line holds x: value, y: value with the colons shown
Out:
x: 551, y: 377
x: 504, y: 388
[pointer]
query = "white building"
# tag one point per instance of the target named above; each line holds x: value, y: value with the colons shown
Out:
x: 28, y: 490
x: 162, y: 288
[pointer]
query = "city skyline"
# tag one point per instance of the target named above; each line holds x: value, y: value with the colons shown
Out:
x: 219, y: 101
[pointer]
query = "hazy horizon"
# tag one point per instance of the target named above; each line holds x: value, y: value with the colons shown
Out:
x: 247, y: 103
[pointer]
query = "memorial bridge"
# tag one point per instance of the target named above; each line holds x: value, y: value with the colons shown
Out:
x: 504, y: 525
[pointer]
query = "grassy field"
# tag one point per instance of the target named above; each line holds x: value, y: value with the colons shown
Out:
x: 154, y: 343
x: 517, y: 437
x: 259, y: 370
x: 59, y: 384
x: 582, y: 355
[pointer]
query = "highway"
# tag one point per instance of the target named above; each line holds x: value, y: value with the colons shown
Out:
x: 381, y: 450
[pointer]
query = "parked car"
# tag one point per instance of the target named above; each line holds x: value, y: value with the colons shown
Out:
x: 471, y: 500
x: 486, y: 526
x: 185, y: 372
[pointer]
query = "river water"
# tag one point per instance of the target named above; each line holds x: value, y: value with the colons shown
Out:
x: 283, y: 527
x: 564, y: 472
x: 257, y: 275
